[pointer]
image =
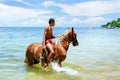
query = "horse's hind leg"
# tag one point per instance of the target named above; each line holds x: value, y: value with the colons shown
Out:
x: 29, y: 58
x: 30, y: 61
x: 35, y: 61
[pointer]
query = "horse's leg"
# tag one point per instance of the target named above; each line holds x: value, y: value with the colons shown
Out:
x: 35, y: 61
x: 30, y: 58
x: 30, y: 61
x: 60, y: 59
x: 46, y: 66
x: 59, y: 62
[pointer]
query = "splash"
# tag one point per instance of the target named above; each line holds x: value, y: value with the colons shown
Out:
x: 66, y: 70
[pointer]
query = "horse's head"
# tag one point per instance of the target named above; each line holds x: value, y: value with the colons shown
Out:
x: 72, y: 36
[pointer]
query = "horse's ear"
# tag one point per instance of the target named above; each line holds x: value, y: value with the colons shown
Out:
x: 72, y: 29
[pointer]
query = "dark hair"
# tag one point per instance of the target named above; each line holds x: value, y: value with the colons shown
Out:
x: 51, y: 20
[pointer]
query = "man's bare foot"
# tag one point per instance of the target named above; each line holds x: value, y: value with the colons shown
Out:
x: 46, y: 69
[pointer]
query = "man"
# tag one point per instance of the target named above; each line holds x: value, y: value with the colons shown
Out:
x: 48, y: 36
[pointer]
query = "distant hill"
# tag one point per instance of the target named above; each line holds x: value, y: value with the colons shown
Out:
x: 112, y: 24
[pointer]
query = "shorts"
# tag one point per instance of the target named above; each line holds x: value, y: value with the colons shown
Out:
x: 48, y: 41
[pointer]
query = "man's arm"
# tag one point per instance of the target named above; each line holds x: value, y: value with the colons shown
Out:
x: 53, y: 36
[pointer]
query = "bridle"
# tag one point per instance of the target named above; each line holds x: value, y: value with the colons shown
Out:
x: 73, y: 36
x: 65, y: 36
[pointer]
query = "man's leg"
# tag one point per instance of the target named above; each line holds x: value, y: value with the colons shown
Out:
x: 49, y: 46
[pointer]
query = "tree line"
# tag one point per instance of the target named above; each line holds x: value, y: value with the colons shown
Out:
x: 112, y: 24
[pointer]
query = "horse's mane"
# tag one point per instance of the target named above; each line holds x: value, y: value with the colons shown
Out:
x: 64, y: 35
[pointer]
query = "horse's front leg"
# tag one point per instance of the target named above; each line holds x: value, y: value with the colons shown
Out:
x: 59, y: 63
x: 60, y: 59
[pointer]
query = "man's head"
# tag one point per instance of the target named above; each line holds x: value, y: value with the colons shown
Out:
x: 51, y: 22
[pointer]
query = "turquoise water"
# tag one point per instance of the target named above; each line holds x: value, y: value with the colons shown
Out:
x: 96, y: 58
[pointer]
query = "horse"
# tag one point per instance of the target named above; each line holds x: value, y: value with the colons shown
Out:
x: 35, y: 53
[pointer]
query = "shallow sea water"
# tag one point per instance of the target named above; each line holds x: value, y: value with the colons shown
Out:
x: 96, y: 58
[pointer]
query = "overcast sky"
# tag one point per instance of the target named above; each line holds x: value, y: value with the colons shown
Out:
x: 76, y: 13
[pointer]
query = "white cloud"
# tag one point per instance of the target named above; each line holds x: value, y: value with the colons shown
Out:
x: 39, y: 21
x: 93, y: 10
x: 78, y: 22
x: 50, y: 3
x: 90, y: 8
x: 24, y: 2
x: 94, y: 20
x: 11, y: 15
x: 91, y: 21
x: 61, y: 21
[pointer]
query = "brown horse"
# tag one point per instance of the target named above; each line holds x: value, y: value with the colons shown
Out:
x: 35, y: 52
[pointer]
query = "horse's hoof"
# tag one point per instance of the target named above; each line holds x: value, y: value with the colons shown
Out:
x: 46, y: 69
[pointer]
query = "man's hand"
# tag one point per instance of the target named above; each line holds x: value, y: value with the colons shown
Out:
x: 43, y: 44
x: 54, y: 37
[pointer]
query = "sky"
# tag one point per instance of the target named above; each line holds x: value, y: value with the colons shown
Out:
x: 67, y: 13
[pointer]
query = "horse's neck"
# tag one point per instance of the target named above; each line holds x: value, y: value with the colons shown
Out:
x: 64, y: 44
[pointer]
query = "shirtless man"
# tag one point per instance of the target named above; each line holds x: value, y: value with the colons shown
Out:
x: 47, y: 38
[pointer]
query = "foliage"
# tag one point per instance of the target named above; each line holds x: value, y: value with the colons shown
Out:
x: 112, y: 24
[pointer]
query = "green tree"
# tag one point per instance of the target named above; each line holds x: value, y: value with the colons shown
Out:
x: 112, y: 24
